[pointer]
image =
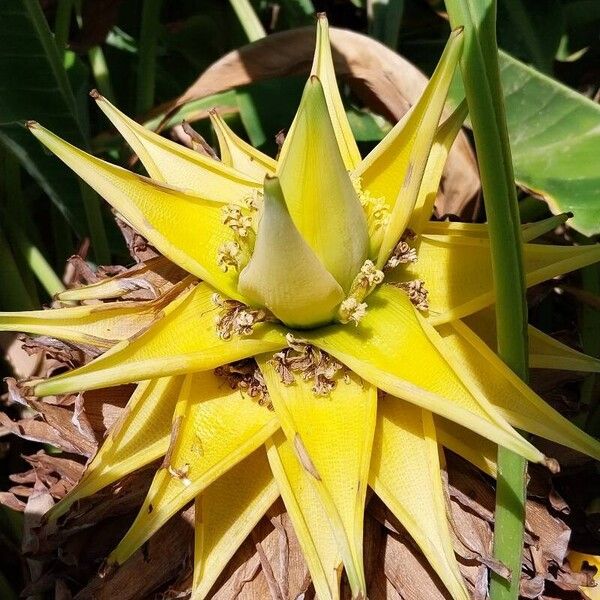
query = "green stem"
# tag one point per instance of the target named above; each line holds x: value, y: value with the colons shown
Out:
x: 480, y: 72
x: 147, y: 55
x: 248, y: 19
x: 385, y: 18
x: 250, y: 118
x: 101, y: 72
x: 13, y: 291
x: 37, y: 262
x: 93, y: 211
x: 62, y: 22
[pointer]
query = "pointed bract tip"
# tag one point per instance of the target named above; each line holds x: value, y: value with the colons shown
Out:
x: 107, y: 569
x: 31, y: 124
x: 271, y: 184
x: 552, y: 465
x: 322, y: 16
x: 213, y: 112
x: 569, y: 215
x: 95, y: 94
x: 458, y: 31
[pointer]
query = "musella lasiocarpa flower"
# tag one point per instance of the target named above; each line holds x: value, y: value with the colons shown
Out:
x: 328, y: 337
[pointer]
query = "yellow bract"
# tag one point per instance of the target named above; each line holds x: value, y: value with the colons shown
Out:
x: 407, y: 383
x: 173, y: 164
x: 318, y: 190
x: 284, y: 274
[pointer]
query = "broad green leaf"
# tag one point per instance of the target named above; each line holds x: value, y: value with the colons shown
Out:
x: 531, y: 31
x: 555, y: 138
x: 384, y: 21
x: 555, y: 143
x: 14, y: 294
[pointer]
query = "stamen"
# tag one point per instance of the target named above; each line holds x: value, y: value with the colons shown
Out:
x: 236, y: 220
x: 253, y: 200
x: 376, y: 209
x: 313, y: 365
x: 403, y: 254
x: 236, y: 318
x: 244, y: 375
x: 369, y: 275
x: 417, y: 293
x: 352, y: 310
x: 228, y: 256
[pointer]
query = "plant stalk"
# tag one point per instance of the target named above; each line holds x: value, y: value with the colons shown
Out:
x: 146, y: 75
x: 62, y: 22
x: 481, y: 77
x: 248, y: 19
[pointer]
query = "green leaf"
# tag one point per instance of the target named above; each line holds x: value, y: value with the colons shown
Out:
x: 555, y: 141
x: 248, y: 19
x: 531, y: 31
x: 34, y: 85
x: 298, y: 12
x: 367, y: 126
x: 385, y: 18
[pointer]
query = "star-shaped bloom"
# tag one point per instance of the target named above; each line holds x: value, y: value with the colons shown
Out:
x: 328, y: 338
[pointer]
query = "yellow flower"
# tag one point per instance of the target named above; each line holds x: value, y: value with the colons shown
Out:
x: 325, y: 341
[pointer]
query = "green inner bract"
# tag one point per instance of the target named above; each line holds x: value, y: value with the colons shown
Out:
x: 328, y: 337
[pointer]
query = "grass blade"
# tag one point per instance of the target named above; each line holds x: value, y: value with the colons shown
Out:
x: 146, y: 74
x: 385, y: 17
x: 248, y: 19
